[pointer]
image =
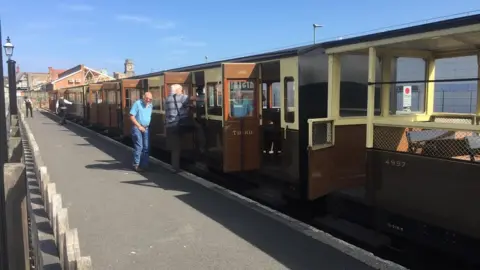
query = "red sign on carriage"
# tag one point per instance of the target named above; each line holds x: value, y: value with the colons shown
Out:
x: 407, y: 96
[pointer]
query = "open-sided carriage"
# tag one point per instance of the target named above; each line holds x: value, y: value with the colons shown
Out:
x: 423, y: 166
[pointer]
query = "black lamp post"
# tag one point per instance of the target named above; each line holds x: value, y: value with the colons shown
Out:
x: 12, y: 82
x: 3, y: 160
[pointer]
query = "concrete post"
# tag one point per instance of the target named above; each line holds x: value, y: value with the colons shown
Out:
x: 16, y: 210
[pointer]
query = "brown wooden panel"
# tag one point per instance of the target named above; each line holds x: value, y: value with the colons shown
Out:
x: 127, y: 123
x: 110, y: 85
x: 93, y: 114
x: 241, y: 145
x: 177, y: 77
x: 104, y: 115
x: 95, y: 86
x: 113, y: 115
x: 132, y: 83
x: 240, y: 71
x: 340, y: 166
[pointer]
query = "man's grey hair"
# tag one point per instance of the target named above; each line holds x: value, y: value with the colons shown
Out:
x: 176, y: 88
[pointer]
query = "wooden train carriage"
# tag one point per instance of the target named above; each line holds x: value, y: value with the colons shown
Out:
x: 255, y: 118
x: 108, y: 108
x: 131, y: 91
x: 52, y: 100
x: 423, y: 168
x: 92, y: 99
x: 76, y: 95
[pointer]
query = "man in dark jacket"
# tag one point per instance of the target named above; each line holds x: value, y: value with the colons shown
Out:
x: 62, y: 105
x: 28, y: 106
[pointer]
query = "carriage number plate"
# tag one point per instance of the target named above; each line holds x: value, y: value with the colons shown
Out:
x: 395, y: 163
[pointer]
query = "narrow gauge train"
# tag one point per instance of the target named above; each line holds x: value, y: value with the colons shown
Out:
x: 313, y: 142
x: 272, y: 139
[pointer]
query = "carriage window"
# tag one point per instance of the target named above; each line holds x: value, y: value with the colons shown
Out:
x: 134, y: 95
x: 241, y: 98
x: 128, y: 102
x: 157, y: 98
x: 271, y: 95
x: 289, y: 101
x: 111, y: 97
x: 215, y: 99
x: 275, y: 98
x: 100, y: 97
x: 265, y: 95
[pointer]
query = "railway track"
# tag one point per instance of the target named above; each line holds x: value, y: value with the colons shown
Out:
x: 400, y: 251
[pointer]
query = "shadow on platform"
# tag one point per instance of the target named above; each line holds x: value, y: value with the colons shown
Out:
x: 289, y: 247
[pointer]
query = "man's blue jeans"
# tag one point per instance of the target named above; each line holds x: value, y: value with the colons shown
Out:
x: 140, y: 146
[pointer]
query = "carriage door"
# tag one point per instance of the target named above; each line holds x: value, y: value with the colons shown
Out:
x: 241, y: 129
x: 185, y: 80
x: 130, y: 93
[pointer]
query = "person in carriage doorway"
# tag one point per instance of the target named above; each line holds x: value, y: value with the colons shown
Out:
x: 241, y: 105
x: 28, y: 106
x: 179, y: 122
x: 140, y: 115
x: 62, y: 105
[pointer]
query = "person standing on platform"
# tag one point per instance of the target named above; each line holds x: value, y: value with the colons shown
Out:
x: 177, y: 107
x: 140, y: 115
x: 62, y: 105
x: 28, y: 106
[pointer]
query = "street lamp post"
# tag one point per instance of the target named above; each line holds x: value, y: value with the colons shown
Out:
x: 3, y: 159
x: 315, y: 26
x: 12, y: 83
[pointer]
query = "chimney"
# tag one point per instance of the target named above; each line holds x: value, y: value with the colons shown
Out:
x: 17, y: 70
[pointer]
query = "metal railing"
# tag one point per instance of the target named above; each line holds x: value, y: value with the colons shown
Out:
x: 435, y: 139
x: 321, y: 133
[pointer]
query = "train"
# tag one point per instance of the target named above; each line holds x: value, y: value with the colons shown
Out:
x: 316, y: 128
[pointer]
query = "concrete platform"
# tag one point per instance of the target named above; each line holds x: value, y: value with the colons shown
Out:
x: 159, y: 220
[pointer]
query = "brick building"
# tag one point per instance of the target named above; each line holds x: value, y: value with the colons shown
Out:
x: 78, y: 75
x: 53, y: 73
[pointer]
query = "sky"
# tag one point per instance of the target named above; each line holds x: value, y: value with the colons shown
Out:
x: 159, y: 35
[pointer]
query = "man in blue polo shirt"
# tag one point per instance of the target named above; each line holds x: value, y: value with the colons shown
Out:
x: 140, y: 115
